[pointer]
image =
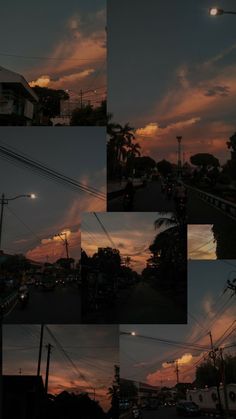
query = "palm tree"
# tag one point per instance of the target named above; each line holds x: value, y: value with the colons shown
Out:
x: 120, y: 139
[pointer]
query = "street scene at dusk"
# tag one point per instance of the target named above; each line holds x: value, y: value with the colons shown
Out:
x: 40, y: 219
x: 53, y: 73
x: 172, y: 139
x: 133, y: 268
x: 185, y: 370
x: 61, y: 371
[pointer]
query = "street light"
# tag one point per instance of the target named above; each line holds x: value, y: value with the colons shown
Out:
x: 215, y: 11
x: 5, y: 201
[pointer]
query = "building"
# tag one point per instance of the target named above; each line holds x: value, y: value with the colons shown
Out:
x: 17, y: 99
x: 145, y: 392
x: 207, y: 398
x: 24, y: 397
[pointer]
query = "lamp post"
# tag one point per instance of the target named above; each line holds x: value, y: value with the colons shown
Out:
x: 215, y: 11
x: 5, y: 201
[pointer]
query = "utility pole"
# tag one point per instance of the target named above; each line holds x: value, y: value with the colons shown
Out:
x: 40, y: 350
x: 176, y: 369
x: 224, y: 384
x: 65, y: 241
x: 49, y: 348
x: 213, y: 356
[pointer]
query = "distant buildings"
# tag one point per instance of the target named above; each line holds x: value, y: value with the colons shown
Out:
x: 17, y: 99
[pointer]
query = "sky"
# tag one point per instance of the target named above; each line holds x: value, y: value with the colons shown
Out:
x: 68, y: 37
x: 172, y: 72
x: 201, y: 244
x: 93, y: 349
x: 30, y: 225
x: 209, y: 309
x: 132, y: 233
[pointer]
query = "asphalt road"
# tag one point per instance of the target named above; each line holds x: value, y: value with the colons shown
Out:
x: 148, y: 198
x: 146, y: 305
x: 61, y: 305
x: 163, y: 413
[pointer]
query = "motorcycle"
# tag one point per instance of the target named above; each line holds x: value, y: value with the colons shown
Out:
x: 169, y: 191
x: 23, y: 299
x: 181, y: 207
x: 128, y: 202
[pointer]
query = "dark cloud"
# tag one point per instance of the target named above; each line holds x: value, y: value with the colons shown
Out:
x: 218, y: 91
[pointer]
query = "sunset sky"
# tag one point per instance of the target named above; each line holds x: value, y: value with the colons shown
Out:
x: 58, y: 44
x: 172, y: 71
x: 209, y: 309
x: 93, y: 349
x: 201, y: 244
x: 30, y: 225
x: 132, y: 233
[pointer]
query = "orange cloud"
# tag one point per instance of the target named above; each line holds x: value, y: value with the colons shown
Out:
x: 46, y: 81
x: 201, y: 243
x: 76, y: 57
x: 187, y: 360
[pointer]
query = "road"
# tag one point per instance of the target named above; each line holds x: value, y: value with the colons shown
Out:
x: 148, y: 198
x: 61, y: 305
x: 163, y: 413
x: 146, y: 305
x: 200, y: 212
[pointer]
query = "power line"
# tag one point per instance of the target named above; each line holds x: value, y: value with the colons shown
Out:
x: 105, y: 231
x: 50, y: 58
x: 51, y: 173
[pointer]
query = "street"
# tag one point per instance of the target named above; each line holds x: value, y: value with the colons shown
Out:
x: 148, y: 198
x: 61, y: 305
x: 163, y: 413
x: 147, y: 305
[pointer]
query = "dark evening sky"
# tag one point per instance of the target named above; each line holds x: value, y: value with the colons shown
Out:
x: 71, y: 33
x: 145, y: 360
x: 93, y: 349
x: 80, y: 155
x: 172, y: 72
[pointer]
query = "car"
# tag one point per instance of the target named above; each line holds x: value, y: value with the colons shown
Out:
x: 185, y: 408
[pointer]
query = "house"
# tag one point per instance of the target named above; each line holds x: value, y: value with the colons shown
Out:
x: 17, y: 99
x: 24, y: 397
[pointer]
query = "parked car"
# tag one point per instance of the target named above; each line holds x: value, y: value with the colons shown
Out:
x: 185, y: 408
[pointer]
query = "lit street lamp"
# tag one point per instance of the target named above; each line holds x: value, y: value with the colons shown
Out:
x: 5, y: 201
x: 215, y: 11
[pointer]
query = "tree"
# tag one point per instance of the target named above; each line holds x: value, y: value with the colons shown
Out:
x: 231, y: 143
x: 165, y: 167
x: 144, y: 164
x: 87, y: 115
x: 128, y: 390
x: 49, y: 100
x: 65, y: 263
x: 225, y: 237
x: 204, y: 161
x: 119, y: 144
x: 114, y: 393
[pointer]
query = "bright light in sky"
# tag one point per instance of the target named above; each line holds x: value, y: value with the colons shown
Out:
x: 32, y: 196
x: 214, y: 11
